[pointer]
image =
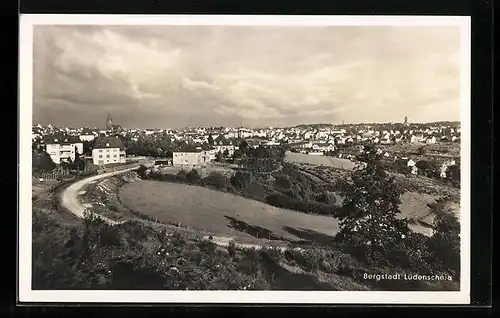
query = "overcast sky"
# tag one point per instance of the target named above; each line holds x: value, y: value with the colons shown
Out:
x: 176, y: 76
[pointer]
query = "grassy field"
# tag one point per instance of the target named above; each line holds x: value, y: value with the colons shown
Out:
x: 223, y: 213
x: 449, y: 148
x: 320, y: 160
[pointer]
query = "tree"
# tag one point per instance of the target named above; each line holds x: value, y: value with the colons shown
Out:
x: 444, y: 244
x: 244, y: 148
x: 66, y: 164
x: 369, y: 154
x: 422, y: 150
x: 216, y: 180
x: 210, y: 140
x: 226, y: 153
x: 454, y: 174
x: 87, y: 148
x: 369, y: 210
x: 240, y: 180
x: 428, y: 168
x: 218, y: 156
x: 237, y: 154
x: 79, y: 163
x: 142, y: 171
x: 42, y: 161
x: 193, y: 177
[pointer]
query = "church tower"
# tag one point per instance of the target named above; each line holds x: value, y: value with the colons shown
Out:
x: 109, y: 122
x: 406, y: 121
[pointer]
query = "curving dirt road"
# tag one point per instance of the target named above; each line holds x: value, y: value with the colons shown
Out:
x: 70, y: 194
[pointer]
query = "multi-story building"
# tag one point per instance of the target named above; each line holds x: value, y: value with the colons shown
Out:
x: 108, y: 150
x: 63, y: 149
x: 190, y: 157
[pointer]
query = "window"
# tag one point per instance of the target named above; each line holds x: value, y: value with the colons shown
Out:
x: 107, y: 156
x: 100, y: 156
x: 100, y: 150
x: 114, y: 156
x: 107, y: 150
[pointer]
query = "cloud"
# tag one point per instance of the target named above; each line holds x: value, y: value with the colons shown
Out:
x: 170, y: 76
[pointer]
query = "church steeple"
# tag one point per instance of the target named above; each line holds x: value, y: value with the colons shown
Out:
x: 109, y: 122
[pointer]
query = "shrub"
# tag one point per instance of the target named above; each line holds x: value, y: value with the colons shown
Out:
x: 283, y: 182
x: 181, y: 175
x: 141, y: 171
x: 279, y: 200
x: 240, y: 179
x: 454, y: 174
x: 193, y: 177
x: 428, y: 168
x: 216, y: 180
x: 445, y: 242
x: 42, y: 161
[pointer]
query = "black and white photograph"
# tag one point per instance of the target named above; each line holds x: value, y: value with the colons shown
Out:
x: 267, y: 159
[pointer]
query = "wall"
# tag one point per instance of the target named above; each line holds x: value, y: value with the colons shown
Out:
x: 186, y: 158
x: 103, y: 156
x: 59, y: 153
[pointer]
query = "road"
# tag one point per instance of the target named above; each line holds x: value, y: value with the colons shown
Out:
x: 70, y: 194
x: 224, y: 242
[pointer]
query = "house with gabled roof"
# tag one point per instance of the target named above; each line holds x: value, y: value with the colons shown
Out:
x: 108, y: 150
x: 221, y: 144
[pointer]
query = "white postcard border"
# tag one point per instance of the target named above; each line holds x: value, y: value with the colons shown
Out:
x: 27, y: 22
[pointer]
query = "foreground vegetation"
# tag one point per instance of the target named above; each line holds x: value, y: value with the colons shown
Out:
x: 143, y: 255
x: 147, y: 255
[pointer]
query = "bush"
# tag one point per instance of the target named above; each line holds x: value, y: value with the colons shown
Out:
x: 283, y: 182
x: 279, y: 200
x: 216, y: 180
x: 141, y: 172
x: 193, y: 177
x: 42, y: 162
x: 453, y: 174
x: 428, y: 168
x: 240, y: 180
x: 444, y: 244
x: 181, y: 176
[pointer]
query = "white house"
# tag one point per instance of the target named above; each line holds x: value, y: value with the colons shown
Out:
x: 444, y: 167
x: 87, y: 137
x: 415, y: 138
x: 323, y: 147
x: 222, y: 144
x: 62, y: 149
x: 431, y: 140
x: 190, y: 157
x: 107, y: 150
x: 411, y: 163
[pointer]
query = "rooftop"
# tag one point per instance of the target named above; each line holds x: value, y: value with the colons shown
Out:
x: 109, y: 142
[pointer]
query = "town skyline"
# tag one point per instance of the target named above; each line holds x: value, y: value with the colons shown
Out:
x: 178, y: 76
x: 258, y: 127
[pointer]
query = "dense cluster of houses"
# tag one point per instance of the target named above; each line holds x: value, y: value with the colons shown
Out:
x: 201, y: 145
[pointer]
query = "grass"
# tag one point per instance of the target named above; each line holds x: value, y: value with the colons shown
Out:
x: 134, y: 255
x: 319, y: 160
x: 222, y: 213
x: 140, y: 255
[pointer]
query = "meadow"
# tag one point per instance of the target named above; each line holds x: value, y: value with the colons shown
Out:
x: 222, y: 213
x: 319, y: 160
